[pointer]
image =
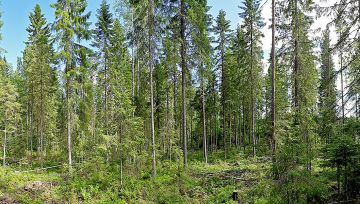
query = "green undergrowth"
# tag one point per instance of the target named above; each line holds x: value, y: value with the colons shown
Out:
x: 28, y: 187
x: 97, y: 182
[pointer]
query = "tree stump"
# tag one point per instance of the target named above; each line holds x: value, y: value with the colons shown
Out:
x: 235, y: 196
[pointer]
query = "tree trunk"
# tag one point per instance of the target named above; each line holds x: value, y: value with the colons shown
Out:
x: 69, y: 110
x: 252, y: 94
x: 204, y: 119
x: 236, y: 129
x: 273, y: 81
x: 31, y: 136
x: 151, y: 30
x: 342, y: 88
x: 133, y: 61
x: 183, y: 73
x: 42, y: 98
x: 223, y: 98
x: 69, y: 123
x: 4, y: 149
x: 296, y: 61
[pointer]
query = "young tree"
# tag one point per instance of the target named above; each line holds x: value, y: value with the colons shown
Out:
x: 124, y: 127
x: 9, y: 108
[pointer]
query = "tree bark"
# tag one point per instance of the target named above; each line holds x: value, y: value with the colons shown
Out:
x: 342, y: 87
x: 133, y: 60
x: 183, y: 73
x: 151, y: 32
x: 253, y: 115
x: 68, y: 115
x: 223, y: 99
x: 273, y: 81
x: 4, y: 149
x: 204, y: 118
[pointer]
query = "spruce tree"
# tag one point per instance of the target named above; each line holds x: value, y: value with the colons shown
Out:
x: 38, y: 58
x: 221, y: 30
x: 297, y: 149
x: 71, y: 27
x: 101, y: 40
x: 327, y: 91
x: 200, y: 21
x: 253, y: 22
x: 9, y: 108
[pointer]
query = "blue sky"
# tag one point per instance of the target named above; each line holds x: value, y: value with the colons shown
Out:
x: 15, y: 17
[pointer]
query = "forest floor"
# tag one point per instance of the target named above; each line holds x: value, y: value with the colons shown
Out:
x: 216, y: 182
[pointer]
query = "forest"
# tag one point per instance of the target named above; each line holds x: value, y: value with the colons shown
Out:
x: 163, y: 102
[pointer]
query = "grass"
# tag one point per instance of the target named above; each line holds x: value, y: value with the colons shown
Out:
x: 28, y: 187
x: 199, y: 183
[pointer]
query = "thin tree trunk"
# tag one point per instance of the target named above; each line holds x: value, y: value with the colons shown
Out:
x: 168, y: 123
x: 68, y: 108
x: 215, y: 123
x: 208, y: 130
x: 175, y: 125
x: 27, y: 126
x: 236, y: 129
x: 342, y: 88
x: 296, y: 63
x: 183, y: 73
x: 69, y: 127
x: 31, y: 136
x: 151, y: 30
x: 138, y: 76
x: 42, y: 121
x: 4, y: 148
x: 240, y: 128
x: 204, y: 119
x: 106, y: 94
x: 133, y: 60
x: 273, y: 81
x: 223, y: 99
x: 252, y: 94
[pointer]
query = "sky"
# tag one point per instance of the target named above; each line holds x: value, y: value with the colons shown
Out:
x: 15, y: 17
